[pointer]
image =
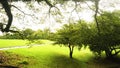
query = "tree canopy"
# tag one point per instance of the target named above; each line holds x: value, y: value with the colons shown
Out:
x: 109, y: 37
x: 82, y: 33
x: 7, y: 7
x: 67, y: 36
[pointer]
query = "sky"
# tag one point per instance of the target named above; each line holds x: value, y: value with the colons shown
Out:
x: 37, y: 17
x: 43, y: 19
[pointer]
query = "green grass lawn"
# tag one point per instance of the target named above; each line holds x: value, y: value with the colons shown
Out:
x: 50, y: 56
x: 54, y: 56
x: 16, y: 42
x: 10, y: 43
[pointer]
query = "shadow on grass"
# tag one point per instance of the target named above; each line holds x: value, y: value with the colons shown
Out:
x: 105, y: 63
x: 61, y: 61
x: 7, y: 66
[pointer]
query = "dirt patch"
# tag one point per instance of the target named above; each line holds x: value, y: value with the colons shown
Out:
x: 10, y: 60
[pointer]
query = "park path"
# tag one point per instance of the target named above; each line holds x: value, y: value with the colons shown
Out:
x: 16, y: 47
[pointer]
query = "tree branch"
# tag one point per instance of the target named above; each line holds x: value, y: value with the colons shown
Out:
x: 49, y: 3
x: 20, y: 10
x: 74, y: 9
x: 89, y: 6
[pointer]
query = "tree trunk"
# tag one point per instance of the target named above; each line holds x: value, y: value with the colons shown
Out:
x: 71, y: 54
x: 95, y: 16
x: 71, y: 48
x: 108, y: 53
x: 6, y: 6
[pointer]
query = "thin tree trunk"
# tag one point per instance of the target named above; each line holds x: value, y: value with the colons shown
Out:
x: 95, y: 16
x: 71, y: 48
x: 108, y: 53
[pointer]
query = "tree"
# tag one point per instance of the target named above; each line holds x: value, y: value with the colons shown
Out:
x: 110, y: 33
x: 45, y: 33
x: 11, y: 36
x: 38, y: 34
x: 109, y: 37
x: 28, y: 34
x: 68, y: 37
x: 41, y: 34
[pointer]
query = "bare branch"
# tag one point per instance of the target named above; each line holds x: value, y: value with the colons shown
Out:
x: 99, y: 11
x: 76, y: 5
x: 89, y: 6
x: 20, y: 10
x: 74, y: 9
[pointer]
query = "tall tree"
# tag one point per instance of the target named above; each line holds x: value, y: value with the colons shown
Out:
x: 109, y: 37
x: 69, y: 36
x: 65, y: 37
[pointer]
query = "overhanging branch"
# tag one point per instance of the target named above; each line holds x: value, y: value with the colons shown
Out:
x: 20, y: 10
x: 49, y: 3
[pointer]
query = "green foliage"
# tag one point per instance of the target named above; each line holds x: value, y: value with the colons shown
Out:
x: 34, y: 35
x: 87, y: 34
x: 11, y: 36
x: 75, y: 33
x: 67, y: 35
x: 84, y: 32
x: 38, y: 34
x: 71, y: 35
x: 29, y: 34
x: 109, y: 37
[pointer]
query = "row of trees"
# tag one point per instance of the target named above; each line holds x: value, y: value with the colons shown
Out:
x: 82, y: 33
x: 28, y: 34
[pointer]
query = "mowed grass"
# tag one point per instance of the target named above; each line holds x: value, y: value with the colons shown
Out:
x: 17, y: 42
x: 53, y: 56
x: 10, y: 43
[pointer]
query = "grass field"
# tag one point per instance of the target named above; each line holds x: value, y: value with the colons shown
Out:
x: 54, y: 56
x: 15, y: 42
x: 49, y: 56
x: 11, y: 43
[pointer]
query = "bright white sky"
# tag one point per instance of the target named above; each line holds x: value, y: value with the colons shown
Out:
x: 44, y: 21
x: 41, y: 18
